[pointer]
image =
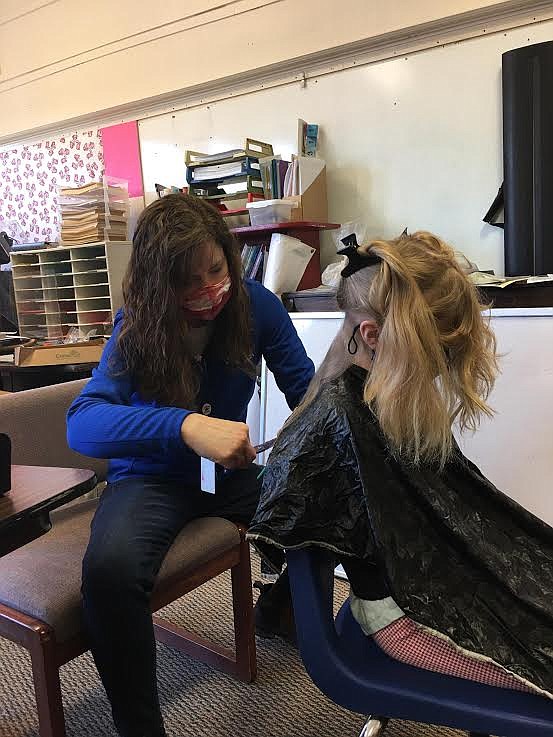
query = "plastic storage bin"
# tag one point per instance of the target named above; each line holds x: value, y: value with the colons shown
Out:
x: 267, y: 212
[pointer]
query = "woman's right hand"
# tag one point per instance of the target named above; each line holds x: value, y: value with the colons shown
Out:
x: 223, y: 441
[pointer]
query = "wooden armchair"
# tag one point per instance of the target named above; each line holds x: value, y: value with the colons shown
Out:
x: 40, y: 600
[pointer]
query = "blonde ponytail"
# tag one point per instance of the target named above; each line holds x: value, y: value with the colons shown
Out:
x: 435, y: 361
x: 412, y: 411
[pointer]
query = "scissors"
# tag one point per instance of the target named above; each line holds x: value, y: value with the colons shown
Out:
x: 260, y: 448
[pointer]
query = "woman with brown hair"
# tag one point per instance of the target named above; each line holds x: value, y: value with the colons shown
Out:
x: 446, y: 572
x: 173, y: 384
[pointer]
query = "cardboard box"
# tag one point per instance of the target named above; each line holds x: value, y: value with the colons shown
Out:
x: 312, y: 203
x: 55, y: 355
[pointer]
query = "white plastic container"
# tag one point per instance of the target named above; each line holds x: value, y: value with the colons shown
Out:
x: 267, y: 212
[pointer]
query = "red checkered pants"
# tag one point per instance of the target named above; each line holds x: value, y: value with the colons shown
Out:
x: 406, y: 641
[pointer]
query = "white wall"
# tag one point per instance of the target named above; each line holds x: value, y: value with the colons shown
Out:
x: 61, y: 60
x: 410, y: 142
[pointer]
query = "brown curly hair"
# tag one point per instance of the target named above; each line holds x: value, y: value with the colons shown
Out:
x: 152, y: 342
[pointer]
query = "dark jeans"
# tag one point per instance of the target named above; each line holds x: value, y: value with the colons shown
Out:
x: 134, y: 526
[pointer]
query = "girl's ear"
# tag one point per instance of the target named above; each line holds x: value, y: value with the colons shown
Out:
x: 369, y: 332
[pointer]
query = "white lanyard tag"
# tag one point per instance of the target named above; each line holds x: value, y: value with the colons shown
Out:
x: 207, y: 476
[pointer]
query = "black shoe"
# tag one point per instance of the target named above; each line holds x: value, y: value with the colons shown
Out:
x: 273, y: 612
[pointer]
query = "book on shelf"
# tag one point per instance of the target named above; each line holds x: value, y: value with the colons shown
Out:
x: 280, y: 168
x: 258, y: 263
x: 273, y: 173
x: 253, y: 256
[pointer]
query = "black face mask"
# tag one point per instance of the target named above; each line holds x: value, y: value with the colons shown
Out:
x: 352, y: 343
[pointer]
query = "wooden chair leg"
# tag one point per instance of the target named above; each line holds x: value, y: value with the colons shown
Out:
x: 46, y: 678
x: 242, y: 603
x: 240, y: 662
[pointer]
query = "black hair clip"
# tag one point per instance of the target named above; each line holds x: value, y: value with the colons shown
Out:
x: 356, y: 260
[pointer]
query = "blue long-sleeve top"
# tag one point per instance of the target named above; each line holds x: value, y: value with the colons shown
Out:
x: 109, y: 419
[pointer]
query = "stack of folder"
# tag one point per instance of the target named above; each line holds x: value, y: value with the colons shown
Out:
x: 97, y: 211
x: 229, y: 175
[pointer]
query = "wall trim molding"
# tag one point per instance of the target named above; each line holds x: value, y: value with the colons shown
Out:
x: 222, y: 11
x: 454, y: 29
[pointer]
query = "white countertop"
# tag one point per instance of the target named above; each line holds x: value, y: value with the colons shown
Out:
x: 496, y: 312
x: 522, y: 312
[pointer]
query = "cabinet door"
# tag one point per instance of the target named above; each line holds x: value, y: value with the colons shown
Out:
x: 316, y: 332
x: 514, y: 449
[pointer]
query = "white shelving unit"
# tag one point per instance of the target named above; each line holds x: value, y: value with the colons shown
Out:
x: 72, y: 286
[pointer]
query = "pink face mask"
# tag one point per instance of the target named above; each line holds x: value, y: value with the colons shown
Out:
x: 207, y: 302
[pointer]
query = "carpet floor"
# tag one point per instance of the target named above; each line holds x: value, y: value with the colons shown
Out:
x: 196, y: 700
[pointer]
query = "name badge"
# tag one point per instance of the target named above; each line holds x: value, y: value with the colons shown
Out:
x: 207, y: 476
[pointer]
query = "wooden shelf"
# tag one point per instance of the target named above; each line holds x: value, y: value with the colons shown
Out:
x: 308, y: 231
x: 238, y: 211
x: 282, y: 227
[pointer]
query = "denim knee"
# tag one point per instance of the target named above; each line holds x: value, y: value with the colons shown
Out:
x: 112, y: 573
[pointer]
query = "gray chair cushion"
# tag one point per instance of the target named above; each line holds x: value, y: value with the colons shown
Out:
x: 43, y: 579
x: 35, y: 421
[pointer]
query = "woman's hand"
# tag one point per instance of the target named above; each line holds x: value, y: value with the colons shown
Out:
x: 225, y: 442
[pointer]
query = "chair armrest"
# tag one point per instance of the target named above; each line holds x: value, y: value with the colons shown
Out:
x: 35, y: 420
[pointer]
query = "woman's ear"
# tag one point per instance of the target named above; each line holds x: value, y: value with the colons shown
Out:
x: 369, y: 332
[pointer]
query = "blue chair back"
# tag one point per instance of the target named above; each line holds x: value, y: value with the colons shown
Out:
x: 351, y: 669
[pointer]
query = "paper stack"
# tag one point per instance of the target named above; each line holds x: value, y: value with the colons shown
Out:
x: 96, y: 211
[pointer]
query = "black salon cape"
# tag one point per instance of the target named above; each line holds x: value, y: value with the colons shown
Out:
x: 459, y: 557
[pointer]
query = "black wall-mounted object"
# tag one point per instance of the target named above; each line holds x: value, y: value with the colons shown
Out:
x: 528, y: 159
x: 5, y: 245
x: 5, y: 464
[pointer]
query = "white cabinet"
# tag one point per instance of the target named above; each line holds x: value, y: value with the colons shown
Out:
x: 75, y: 286
x: 515, y: 448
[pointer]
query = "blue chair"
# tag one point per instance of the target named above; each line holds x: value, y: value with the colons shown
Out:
x: 352, y: 671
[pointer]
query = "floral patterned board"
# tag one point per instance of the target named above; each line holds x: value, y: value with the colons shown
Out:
x: 31, y: 174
